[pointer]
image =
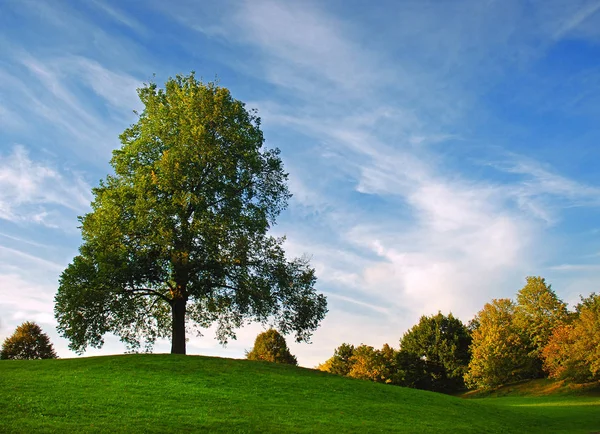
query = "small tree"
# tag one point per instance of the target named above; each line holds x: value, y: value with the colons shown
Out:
x: 27, y: 342
x: 341, y: 362
x: 270, y: 346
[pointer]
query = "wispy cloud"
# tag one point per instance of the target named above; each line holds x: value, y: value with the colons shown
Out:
x: 12, y: 255
x: 542, y: 193
x: 35, y: 192
x: 396, y: 124
x: 451, y: 241
x: 575, y: 267
x: 575, y: 20
x: 120, y: 16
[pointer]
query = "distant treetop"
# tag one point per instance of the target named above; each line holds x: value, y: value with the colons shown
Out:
x: 26, y: 343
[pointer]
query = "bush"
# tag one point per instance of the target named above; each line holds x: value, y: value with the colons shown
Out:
x: 27, y: 342
x: 270, y: 346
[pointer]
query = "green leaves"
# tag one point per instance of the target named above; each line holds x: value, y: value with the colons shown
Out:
x: 185, y: 216
x: 538, y: 312
x: 442, y: 344
x: 270, y: 346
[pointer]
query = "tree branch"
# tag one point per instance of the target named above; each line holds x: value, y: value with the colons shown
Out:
x: 148, y: 291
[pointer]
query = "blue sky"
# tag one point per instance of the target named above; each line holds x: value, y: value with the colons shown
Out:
x: 438, y: 151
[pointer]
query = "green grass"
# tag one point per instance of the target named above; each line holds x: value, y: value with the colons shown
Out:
x: 164, y: 393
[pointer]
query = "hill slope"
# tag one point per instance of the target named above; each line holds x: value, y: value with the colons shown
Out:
x: 163, y: 393
x: 538, y: 388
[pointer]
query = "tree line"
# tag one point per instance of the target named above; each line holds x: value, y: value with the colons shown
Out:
x: 508, y: 340
x: 533, y: 336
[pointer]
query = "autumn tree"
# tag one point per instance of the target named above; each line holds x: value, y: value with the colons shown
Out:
x: 499, y: 352
x: 26, y: 343
x: 368, y: 363
x: 270, y: 346
x: 363, y: 362
x: 178, y: 234
x: 573, y: 350
x: 341, y: 361
x: 442, y: 343
x: 538, y: 312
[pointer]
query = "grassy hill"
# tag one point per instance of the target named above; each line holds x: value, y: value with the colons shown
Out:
x: 164, y: 393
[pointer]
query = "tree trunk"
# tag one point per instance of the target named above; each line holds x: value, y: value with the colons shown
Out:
x: 178, y: 332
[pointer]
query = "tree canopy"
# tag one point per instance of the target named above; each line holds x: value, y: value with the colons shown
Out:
x: 179, y: 233
x: 573, y: 350
x: 442, y: 343
x: 270, y: 346
x: 26, y: 343
x: 341, y: 362
x: 499, y: 352
x: 368, y: 363
x: 538, y: 312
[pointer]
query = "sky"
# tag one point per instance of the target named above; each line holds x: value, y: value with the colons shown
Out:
x: 438, y: 151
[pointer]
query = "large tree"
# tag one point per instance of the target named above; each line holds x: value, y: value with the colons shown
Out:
x: 538, y: 312
x: 179, y: 233
x: 499, y: 352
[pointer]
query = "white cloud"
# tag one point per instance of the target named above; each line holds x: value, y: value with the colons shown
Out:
x: 10, y: 255
x: 57, y: 91
x: 301, y: 44
x: 462, y: 241
x: 37, y: 192
x: 21, y: 300
x: 395, y: 227
x: 116, y: 88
